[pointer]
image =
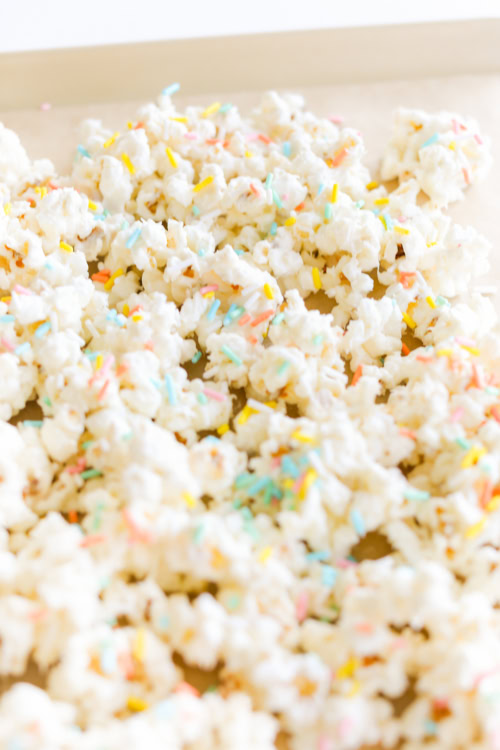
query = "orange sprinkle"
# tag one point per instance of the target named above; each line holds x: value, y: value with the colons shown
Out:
x: 486, y: 493
x: 73, y: 516
x: 466, y: 176
x: 252, y: 339
x: 300, y: 207
x: 121, y: 370
x: 422, y: 358
x: 405, y: 350
x: 92, y: 539
x: 339, y: 157
x: 407, y: 278
x: 254, y: 189
x: 103, y: 390
x: 357, y: 374
x: 244, y: 319
x: 261, y: 318
x: 407, y: 433
x: 185, y: 687
x: 495, y: 412
x: 264, y: 138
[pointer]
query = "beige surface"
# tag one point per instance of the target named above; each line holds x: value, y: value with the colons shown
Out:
x: 365, y: 106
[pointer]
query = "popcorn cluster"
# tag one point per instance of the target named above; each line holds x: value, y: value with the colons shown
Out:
x: 254, y: 500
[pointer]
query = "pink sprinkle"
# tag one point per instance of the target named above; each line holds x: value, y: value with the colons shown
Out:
x: 191, y: 136
x: 78, y: 467
x: 337, y: 119
x: 275, y: 462
x: 38, y: 614
x: 285, y: 196
x: 454, y: 125
x: 22, y: 290
x: 149, y: 345
x: 6, y: 344
x: 407, y: 433
x: 103, y: 390
x: 457, y: 414
x: 402, y: 219
x: 214, y: 394
x: 298, y: 484
x: 92, y: 539
x: 478, y: 139
x: 344, y: 563
x: 135, y: 533
x: 301, y: 606
x: 45, y: 106
x: 209, y: 288
x: 107, y: 365
x: 461, y: 341
x: 185, y: 687
x: 483, y: 675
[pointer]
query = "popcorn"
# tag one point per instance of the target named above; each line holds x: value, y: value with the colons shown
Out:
x: 254, y: 497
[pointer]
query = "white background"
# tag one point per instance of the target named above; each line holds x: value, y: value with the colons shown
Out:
x: 42, y: 24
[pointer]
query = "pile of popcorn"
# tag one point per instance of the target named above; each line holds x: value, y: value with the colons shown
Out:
x: 253, y: 500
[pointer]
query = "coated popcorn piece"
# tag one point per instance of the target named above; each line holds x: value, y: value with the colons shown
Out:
x: 444, y: 152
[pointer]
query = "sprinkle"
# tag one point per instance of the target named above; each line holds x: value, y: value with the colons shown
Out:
x: 495, y: 412
x: 430, y: 140
x: 215, y: 395
x: 290, y: 221
x: 357, y: 522
x: 401, y: 230
x: 302, y: 437
x: 22, y: 348
x: 83, y: 151
x: 328, y: 211
x: 268, y: 291
x: 283, y: 367
x: 409, y: 320
x: 441, y: 300
x: 265, y: 554
x: 411, y: 493
x: 211, y: 109
x: 213, y: 309
x: 139, y: 645
x: 287, y: 148
x: 225, y: 108
x: 358, y: 373
x: 203, y: 184
x: 110, y: 282
x: 339, y: 157
x: 204, y: 290
x: 328, y: 575
x: 463, y: 443
x: 231, y: 355
x: 196, y: 358
x: 335, y: 192
x: 301, y: 606
x: 320, y: 189
x: 7, y: 318
x: 274, y: 229
x: 457, y: 414
x: 430, y: 726
x: 473, y: 456
x: 7, y: 207
x: 37, y: 423
x: 278, y: 319
x: 372, y: 185
x: 136, y: 704
x: 172, y: 89
x: 64, y: 246
x: 133, y: 237
x: 189, y: 499
x: 475, y: 529
x: 169, y: 385
x: 202, y: 399
x: 222, y: 429
x: 196, y: 211
x: 91, y: 474
x: 381, y: 201
x: 261, y: 318
x: 347, y: 669
x: 277, y: 199
x: 111, y: 140
x: 128, y: 163
x: 430, y: 302
x: 171, y: 157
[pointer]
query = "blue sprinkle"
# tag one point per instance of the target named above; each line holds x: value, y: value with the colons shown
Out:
x: 228, y: 316
x: 99, y: 217
x: 202, y: 252
x: 91, y: 355
x: 105, y: 212
x: 213, y: 309
x: 357, y: 522
x: 288, y: 467
x: 243, y: 480
x: 196, y: 358
x: 430, y: 140
x: 274, y: 229
x: 83, y: 151
x: 328, y: 211
x: 321, y: 554
x: 278, y: 319
x: 375, y: 211
x: 43, y: 329
x: 259, y: 485
x: 431, y: 726
x: 6, y: 318
x: 133, y: 237
x: 287, y: 148
x: 172, y: 89
x: 225, y: 108
x: 317, y: 340
x: 320, y: 189
x: 196, y: 211
x: 238, y: 251
x: 277, y: 199
x: 169, y: 385
x: 328, y: 575
x: 388, y: 221
x: 359, y: 204
x: 156, y: 383
x: 22, y: 348
x: 37, y: 423
x: 124, y: 225
x: 164, y: 622
x: 49, y: 266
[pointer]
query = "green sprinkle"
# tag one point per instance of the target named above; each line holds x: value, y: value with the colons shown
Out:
x: 243, y: 480
x: 91, y: 473
x: 258, y: 485
x: 87, y: 444
x: 491, y: 390
x: 269, y: 180
x: 196, y: 358
x: 278, y: 319
x: 359, y: 204
x: 441, y: 300
x: 196, y: 211
x: 283, y: 367
x: 274, y: 229
x: 463, y: 443
x: 47, y: 401
x: 328, y: 211
x: 277, y: 199
x: 414, y: 494
x: 128, y: 436
x: 33, y: 423
x: 231, y: 355
x: 317, y: 340
x: 237, y: 503
x: 83, y: 151
x: 202, y: 399
x: 199, y: 532
x: 225, y: 108
x: 233, y: 601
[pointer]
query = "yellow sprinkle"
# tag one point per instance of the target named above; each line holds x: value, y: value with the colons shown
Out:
x: 128, y: 163
x: 316, y: 278
x: 136, y: 704
x: 203, y: 184
x: 211, y: 109
x: 430, y: 302
x: 383, y: 221
x: 444, y: 352
x: 268, y: 291
x: 302, y: 437
x: 66, y: 247
x: 401, y: 230
x: 431, y: 244
x: 265, y: 554
x: 179, y: 119
x: 409, y: 321
x: 473, y: 456
x: 355, y: 688
x: 248, y: 154
x: 207, y: 295
x: 475, y: 529
x: 98, y: 361
x: 130, y: 124
x: 189, y: 499
x: 6, y: 208
x: 372, y: 185
x: 110, y: 282
x: 111, y: 140
x: 5, y: 299
x: 92, y: 206
x: 136, y: 318
x: 139, y: 645
x: 271, y: 404
x: 288, y: 484
x: 347, y: 669
x: 223, y: 429
x: 246, y: 412
x: 472, y: 350
x: 309, y: 480
x: 452, y: 145
x: 381, y: 201
x: 290, y: 221
x: 494, y: 504
x: 126, y: 309
x: 335, y: 192
x: 171, y: 157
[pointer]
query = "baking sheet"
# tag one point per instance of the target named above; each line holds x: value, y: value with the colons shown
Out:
x: 366, y: 106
